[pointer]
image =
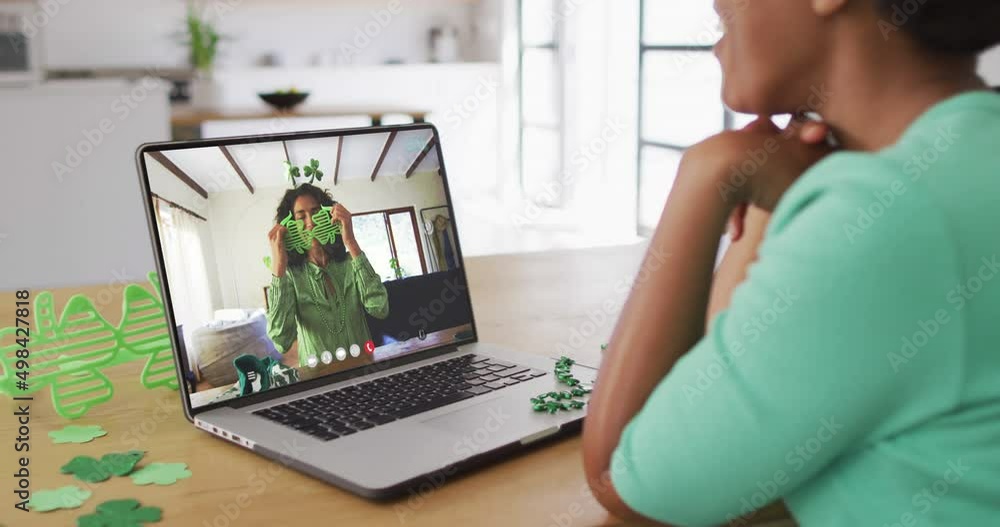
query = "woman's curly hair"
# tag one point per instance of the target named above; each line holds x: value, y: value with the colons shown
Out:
x: 958, y: 27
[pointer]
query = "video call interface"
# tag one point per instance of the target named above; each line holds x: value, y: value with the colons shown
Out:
x: 291, y: 260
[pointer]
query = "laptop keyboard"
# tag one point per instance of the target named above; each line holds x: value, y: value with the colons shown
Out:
x: 344, y: 411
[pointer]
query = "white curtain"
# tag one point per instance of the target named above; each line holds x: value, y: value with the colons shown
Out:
x: 186, y: 272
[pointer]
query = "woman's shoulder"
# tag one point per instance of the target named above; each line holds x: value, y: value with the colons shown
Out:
x: 848, y: 181
x: 862, y: 200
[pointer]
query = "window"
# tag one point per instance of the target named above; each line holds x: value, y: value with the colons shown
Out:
x: 541, y: 97
x: 389, y: 236
x: 679, y: 93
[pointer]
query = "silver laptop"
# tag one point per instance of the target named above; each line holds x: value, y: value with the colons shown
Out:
x: 321, y: 312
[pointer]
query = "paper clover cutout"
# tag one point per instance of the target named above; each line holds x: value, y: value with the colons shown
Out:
x: 69, y: 497
x: 161, y: 474
x: 88, y: 469
x: 77, y: 434
x: 120, y: 513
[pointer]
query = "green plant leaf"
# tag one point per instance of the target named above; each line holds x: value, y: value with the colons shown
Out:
x: 314, y: 163
x: 319, y: 175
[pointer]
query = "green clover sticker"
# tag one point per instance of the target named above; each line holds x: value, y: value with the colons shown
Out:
x: 120, y: 513
x: 88, y: 469
x: 69, y: 497
x: 161, y: 474
x: 77, y: 434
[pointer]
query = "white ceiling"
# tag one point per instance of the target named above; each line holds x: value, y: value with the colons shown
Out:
x: 263, y: 163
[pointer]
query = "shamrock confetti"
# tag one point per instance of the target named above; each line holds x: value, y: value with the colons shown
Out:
x: 552, y: 402
x: 69, y: 497
x: 120, y: 513
x: 77, y: 434
x: 161, y: 474
x: 88, y: 469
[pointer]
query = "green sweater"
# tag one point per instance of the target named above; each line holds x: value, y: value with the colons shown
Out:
x: 300, y: 306
x: 856, y: 374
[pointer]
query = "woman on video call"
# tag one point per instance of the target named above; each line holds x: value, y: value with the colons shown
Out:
x: 320, y: 297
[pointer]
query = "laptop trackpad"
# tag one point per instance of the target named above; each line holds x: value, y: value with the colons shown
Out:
x: 489, y: 415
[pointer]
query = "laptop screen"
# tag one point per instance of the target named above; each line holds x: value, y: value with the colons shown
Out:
x: 291, y: 260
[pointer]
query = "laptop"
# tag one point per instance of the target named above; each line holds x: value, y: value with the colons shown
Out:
x: 344, y: 347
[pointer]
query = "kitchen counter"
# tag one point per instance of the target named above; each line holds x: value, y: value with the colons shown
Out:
x: 186, y: 121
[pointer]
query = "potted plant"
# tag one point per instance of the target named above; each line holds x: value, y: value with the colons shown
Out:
x: 202, y: 40
x: 396, y: 269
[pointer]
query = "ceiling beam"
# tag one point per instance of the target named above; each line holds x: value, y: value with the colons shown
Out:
x: 385, y: 152
x: 420, y: 157
x: 181, y: 175
x: 340, y: 151
x: 236, y: 167
x: 176, y: 206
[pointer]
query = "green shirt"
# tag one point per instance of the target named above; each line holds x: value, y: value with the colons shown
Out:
x: 856, y: 374
x: 301, y: 307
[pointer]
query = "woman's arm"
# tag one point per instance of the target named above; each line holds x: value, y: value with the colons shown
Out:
x: 741, y: 254
x: 281, y: 319
x: 665, y: 316
x: 374, y: 296
x: 662, y: 319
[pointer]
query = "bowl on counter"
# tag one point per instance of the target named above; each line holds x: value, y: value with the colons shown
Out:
x: 283, y: 101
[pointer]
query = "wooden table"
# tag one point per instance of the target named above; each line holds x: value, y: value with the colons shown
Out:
x: 544, y: 303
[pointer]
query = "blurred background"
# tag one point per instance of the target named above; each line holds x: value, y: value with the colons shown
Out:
x: 562, y: 121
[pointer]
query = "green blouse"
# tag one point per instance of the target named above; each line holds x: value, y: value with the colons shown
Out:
x: 301, y: 306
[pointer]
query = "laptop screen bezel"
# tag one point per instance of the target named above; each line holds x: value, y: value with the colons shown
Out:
x: 180, y: 359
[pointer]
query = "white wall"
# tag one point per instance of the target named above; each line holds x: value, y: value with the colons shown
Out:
x: 85, y: 33
x: 87, y: 225
x: 240, y: 222
x: 463, y: 101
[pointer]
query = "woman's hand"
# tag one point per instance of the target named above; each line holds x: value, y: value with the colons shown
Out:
x: 341, y: 214
x: 809, y: 133
x: 279, y: 256
x: 757, y: 164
